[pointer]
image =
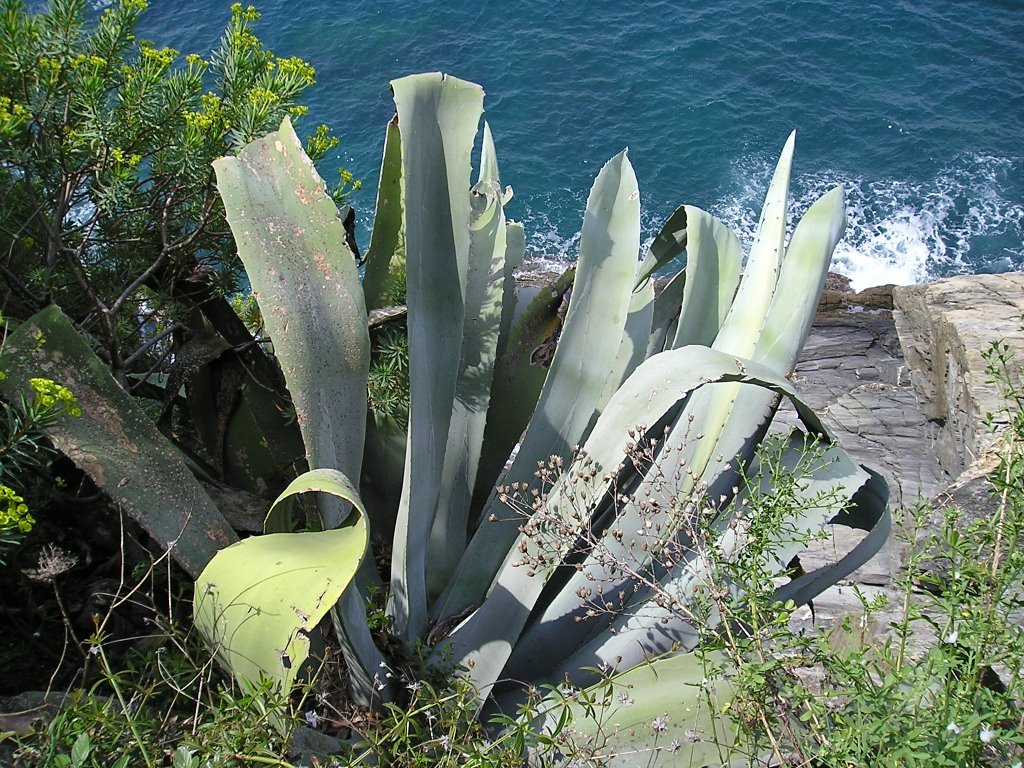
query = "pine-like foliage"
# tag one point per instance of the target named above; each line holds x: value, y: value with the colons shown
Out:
x: 107, y: 202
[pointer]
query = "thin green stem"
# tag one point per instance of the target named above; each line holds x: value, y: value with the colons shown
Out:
x: 112, y: 679
x: 263, y: 760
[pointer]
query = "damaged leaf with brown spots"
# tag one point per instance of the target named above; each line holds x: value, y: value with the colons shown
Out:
x: 114, y: 441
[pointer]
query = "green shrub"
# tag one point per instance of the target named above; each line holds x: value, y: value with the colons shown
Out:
x: 24, y: 450
x: 109, y: 207
x: 956, y: 701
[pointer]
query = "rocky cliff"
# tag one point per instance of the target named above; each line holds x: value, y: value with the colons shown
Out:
x: 944, y: 328
x: 900, y: 377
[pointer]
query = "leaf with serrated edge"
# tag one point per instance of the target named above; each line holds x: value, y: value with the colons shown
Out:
x: 670, y: 691
x: 484, y: 641
x: 438, y: 117
x: 484, y: 296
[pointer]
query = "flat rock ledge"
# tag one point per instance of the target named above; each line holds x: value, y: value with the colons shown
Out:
x: 897, y: 373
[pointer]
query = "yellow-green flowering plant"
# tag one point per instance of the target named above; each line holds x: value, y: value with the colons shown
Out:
x: 112, y: 137
x: 24, y: 450
x: 15, y: 520
x: 14, y: 514
x: 53, y: 397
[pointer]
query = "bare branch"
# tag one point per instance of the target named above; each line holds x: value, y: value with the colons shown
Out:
x: 151, y: 270
x: 153, y: 342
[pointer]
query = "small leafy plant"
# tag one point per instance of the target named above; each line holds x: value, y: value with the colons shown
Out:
x: 24, y: 449
x: 932, y: 675
x: 160, y: 702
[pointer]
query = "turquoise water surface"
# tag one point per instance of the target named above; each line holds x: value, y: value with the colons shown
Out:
x: 917, y: 108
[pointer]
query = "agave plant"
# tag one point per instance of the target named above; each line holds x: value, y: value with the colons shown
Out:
x: 695, y: 373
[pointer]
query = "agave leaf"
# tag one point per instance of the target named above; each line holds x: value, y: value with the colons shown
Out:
x: 667, y: 306
x: 587, y: 348
x: 801, y: 279
x: 515, y: 252
x: 484, y: 641
x: 667, y: 244
x: 743, y: 324
x: 666, y: 703
x: 259, y: 600
x: 369, y: 681
x: 517, y: 382
x: 642, y: 627
x: 732, y: 425
x: 438, y: 118
x: 295, y: 255
x: 651, y: 629
x: 734, y: 418
x: 386, y: 238
x: 663, y: 485
x: 738, y: 417
x: 868, y: 511
x: 826, y: 478
x: 114, y: 441
x: 633, y: 347
x: 484, y: 295
x: 713, y: 257
x: 488, y: 172
x: 383, y: 471
x: 719, y: 423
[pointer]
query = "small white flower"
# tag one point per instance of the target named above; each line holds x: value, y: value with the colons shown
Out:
x: 659, y: 724
x: 953, y: 728
x: 987, y: 735
x: 625, y: 699
x: 312, y: 718
x: 951, y: 637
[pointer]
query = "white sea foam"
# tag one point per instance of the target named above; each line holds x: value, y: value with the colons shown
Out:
x: 960, y: 221
x: 902, y: 232
x: 548, y: 247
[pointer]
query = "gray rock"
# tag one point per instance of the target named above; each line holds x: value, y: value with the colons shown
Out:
x: 906, y: 393
x: 852, y: 373
x: 944, y: 327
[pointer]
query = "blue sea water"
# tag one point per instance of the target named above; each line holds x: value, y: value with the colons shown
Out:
x: 916, y: 107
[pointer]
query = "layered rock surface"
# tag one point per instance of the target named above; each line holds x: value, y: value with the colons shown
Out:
x: 899, y: 376
x: 944, y: 329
